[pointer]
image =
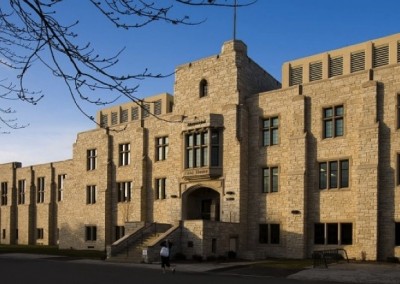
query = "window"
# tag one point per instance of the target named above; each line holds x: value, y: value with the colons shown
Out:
x: 335, y: 66
x: 91, y: 159
x: 198, y: 146
x: 119, y: 232
x: 4, y: 193
x: 398, y: 111
x: 398, y: 169
x: 315, y: 71
x: 270, y: 180
x: 90, y: 233
x: 124, y: 191
x: 269, y: 234
x: 3, y: 234
x: 40, y: 190
x: 213, y: 245
x: 270, y: 131
x: 114, y: 118
x: 39, y: 234
x: 334, y: 174
x: 333, y: 233
x: 124, y: 154
x: 104, y: 120
x: 21, y: 191
x: 146, y: 110
x: 397, y: 233
x: 134, y: 113
x: 161, y: 148
x: 123, y: 116
x: 296, y: 75
x: 157, y: 107
x: 91, y: 193
x: 357, y: 61
x: 60, y: 187
x: 160, y: 188
x: 203, y: 88
x: 333, y: 122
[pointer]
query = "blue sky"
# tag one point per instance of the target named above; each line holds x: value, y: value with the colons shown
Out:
x: 275, y: 31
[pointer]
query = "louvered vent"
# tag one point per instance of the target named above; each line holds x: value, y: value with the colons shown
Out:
x: 357, y: 61
x: 335, y: 66
x: 296, y: 76
x: 315, y: 71
x: 381, y: 56
x: 398, y: 51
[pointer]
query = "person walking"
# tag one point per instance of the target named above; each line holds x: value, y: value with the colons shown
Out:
x: 165, y: 256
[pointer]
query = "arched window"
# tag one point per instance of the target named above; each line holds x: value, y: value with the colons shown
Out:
x: 203, y: 88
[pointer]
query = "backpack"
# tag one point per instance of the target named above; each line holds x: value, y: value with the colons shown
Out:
x: 164, y: 252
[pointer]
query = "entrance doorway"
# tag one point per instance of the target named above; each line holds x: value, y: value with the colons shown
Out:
x: 201, y: 203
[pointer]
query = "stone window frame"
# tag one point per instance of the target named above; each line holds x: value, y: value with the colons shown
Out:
x: 270, y: 133
x: 91, y: 194
x: 203, y: 88
x: 39, y: 233
x: 270, y: 184
x: 60, y: 186
x: 269, y: 233
x: 124, y: 190
x: 90, y: 233
x: 160, y: 185
x: 4, y: 194
x: 333, y: 233
x: 124, y: 154
x: 333, y: 119
x: 162, y: 147
x: 91, y: 159
x: 41, y: 184
x: 21, y: 191
x: 333, y: 176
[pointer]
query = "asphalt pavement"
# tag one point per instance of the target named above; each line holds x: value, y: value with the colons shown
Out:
x: 353, y: 272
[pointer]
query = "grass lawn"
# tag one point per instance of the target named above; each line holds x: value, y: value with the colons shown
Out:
x: 52, y: 250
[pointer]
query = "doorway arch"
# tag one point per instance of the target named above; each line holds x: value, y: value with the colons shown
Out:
x: 201, y: 203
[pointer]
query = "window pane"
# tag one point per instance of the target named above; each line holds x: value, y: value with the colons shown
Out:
x: 319, y: 238
x: 346, y: 235
x: 198, y: 139
x: 274, y: 233
x: 328, y: 112
x: 333, y: 174
x: 275, y: 179
x: 205, y: 156
x: 397, y: 234
x: 339, y: 111
x: 266, y: 137
x: 322, y: 175
x: 205, y: 138
x: 339, y: 127
x: 214, y: 138
x: 266, y: 123
x: 275, y: 136
x: 265, y: 180
x: 197, y: 162
x: 190, y: 158
x: 332, y: 233
x: 328, y: 129
x: 215, y: 156
x: 344, y: 173
x: 263, y: 233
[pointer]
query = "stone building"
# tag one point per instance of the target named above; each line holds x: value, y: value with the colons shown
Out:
x: 234, y: 163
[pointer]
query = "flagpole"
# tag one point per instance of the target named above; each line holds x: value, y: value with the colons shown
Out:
x: 234, y: 21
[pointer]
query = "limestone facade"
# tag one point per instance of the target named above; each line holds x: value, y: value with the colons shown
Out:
x: 237, y: 161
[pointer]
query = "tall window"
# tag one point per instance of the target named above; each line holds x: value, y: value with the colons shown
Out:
x: 119, y: 232
x: 114, y: 118
x: 270, y: 131
x: 334, y: 174
x: 91, y: 159
x: 134, y: 113
x: 104, y: 120
x: 160, y: 188
x: 203, y: 88
x: 91, y: 193
x: 4, y: 193
x: 145, y: 110
x: 270, y: 180
x: 333, y: 121
x: 90, y: 233
x: 21, y: 191
x: 124, y: 191
x: 161, y: 148
x: 39, y: 233
x: 333, y: 233
x: 398, y: 110
x: 60, y: 187
x: 269, y: 233
x: 123, y: 115
x: 40, y: 190
x: 157, y: 107
x: 198, y: 145
x: 397, y: 233
x: 124, y: 154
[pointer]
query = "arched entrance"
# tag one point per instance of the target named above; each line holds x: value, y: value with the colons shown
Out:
x: 201, y: 203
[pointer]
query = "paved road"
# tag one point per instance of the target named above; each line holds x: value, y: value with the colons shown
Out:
x: 60, y: 270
